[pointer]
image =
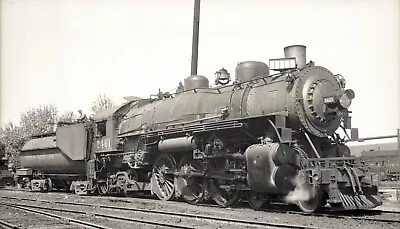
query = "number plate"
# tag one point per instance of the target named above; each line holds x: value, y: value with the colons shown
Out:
x: 329, y: 100
x: 343, y: 113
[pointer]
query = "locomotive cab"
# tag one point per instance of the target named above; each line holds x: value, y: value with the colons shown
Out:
x: 105, y: 129
x: 108, y: 168
x: 103, y: 135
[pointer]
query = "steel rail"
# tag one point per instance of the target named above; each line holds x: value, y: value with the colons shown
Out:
x: 334, y: 215
x: 8, y: 225
x: 387, y: 211
x: 66, y: 219
x: 204, y: 217
x: 344, y: 216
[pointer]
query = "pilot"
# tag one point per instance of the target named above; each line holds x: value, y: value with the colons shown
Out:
x: 82, y: 117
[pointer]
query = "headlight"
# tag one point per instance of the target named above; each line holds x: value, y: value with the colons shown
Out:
x: 344, y: 101
x: 346, y: 98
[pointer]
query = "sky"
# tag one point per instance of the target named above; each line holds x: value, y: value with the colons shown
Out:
x: 68, y: 52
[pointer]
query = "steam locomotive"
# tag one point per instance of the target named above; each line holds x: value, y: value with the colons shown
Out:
x: 271, y: 137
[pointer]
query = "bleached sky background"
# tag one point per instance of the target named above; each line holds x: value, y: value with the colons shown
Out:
x: 67, y: 52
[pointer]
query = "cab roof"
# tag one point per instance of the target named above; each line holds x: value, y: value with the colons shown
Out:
x: 109, y: 112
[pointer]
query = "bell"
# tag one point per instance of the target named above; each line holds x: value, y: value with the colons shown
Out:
x: 222, y: 77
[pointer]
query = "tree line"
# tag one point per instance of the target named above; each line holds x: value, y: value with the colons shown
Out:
x: 37, y: 121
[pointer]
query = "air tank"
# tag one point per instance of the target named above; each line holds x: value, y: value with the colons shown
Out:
x: 174, y: 145
x: 196, y: 81
x: 248, y: 70
x: 298, y: 52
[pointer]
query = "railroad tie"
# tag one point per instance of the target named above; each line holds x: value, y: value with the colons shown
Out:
x: 90, y: 213
x: 65, y: 220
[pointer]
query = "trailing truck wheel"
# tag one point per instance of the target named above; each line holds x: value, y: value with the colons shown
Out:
x: 102, y: 188
x: 6, y: 181
x: 162, y: 179
x: 191, y: 187
x: 314, y: 204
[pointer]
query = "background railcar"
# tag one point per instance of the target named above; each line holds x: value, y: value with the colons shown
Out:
x: 386, y: 163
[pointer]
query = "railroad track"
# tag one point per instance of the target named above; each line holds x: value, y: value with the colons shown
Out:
x: 64, y: 219
x: 32, y: 209
x: 196, y: 217
x: 285, y: 209
x: 4, y: 224
x: 336, y: 215
x: 366, y: 215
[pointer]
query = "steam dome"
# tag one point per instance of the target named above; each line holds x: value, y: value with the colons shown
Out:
x: 196, y: 81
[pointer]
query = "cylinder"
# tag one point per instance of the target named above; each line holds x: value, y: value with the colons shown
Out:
x: 282, y: 154
x: 298, y: 52
x: 177, y: 144
x: 264, y: 174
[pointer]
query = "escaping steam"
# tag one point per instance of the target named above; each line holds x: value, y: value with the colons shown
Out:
x: 302, y: 191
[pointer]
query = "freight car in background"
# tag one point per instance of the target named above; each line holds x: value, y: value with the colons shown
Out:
x: 269, y: 136
x: 386, y: 163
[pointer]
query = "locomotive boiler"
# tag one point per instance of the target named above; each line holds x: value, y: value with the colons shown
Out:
x: 263, y: 137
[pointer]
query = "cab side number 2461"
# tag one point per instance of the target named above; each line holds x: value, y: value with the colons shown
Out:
x: 103, y: 143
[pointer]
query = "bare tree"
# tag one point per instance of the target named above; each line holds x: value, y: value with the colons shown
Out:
x: 102, y: 102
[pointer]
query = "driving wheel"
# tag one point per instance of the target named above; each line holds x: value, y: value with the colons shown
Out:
x: 222, y: 194
x: 191, y: 183
x: 314, y: 203
x: 162, y: 179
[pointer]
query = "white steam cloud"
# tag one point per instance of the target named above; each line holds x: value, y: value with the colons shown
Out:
x: 302, y: 191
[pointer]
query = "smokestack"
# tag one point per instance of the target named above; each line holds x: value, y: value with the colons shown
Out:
x: 195, y: 41
x: 297, y: 51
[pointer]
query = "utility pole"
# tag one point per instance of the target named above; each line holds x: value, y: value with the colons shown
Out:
x: 397, y: 164
x: 398, y: 142
x: 195, y: 41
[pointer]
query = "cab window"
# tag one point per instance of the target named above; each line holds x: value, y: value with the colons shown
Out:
x: 101, y: 129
